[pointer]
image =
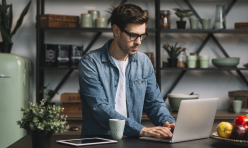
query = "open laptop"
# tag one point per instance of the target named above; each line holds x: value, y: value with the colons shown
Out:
x: 194, y: 120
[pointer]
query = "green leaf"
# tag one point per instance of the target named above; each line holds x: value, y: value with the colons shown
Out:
x: 246, y: 115
x: 19, y: 22
x: 4, y: 8
x: 10, y: 19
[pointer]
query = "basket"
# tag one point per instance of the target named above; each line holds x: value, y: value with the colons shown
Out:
x: 232, y: 141
x: 238, y: 95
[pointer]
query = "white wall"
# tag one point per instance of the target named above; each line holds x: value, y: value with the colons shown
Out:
x: 205, y: 83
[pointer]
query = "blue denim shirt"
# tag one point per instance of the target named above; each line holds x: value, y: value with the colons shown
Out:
x: 98, y: 79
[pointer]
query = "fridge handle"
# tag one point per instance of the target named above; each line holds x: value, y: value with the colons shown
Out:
x: 3, y: 76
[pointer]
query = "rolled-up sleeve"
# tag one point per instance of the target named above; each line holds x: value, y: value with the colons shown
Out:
x: 93, y: 92
x: 154, y: 104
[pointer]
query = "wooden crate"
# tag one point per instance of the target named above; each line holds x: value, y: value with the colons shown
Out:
x: 238, y: 95
x: 241, y: 26
x: 71, y: 103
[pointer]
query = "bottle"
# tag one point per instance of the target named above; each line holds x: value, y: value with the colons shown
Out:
x: 165, y: 19
x: 147, y: 25
x: 182, y: 58
x: 151, y: 57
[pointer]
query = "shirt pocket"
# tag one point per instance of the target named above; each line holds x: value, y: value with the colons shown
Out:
x: 139, y: 87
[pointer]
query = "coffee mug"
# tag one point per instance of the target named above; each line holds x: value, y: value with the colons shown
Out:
x: 101, y: 22
x: 237, y: 104
x: 116, y: 128
x: 86, y: 20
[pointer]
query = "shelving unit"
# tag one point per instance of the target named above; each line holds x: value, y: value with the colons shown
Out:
x: 40, y: 40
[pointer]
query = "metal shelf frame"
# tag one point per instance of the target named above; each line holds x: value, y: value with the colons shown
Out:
x: 210, y: 35
x: 40, y: 41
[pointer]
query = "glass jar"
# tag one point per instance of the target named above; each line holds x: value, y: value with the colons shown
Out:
x: 182, y: 58
x: 197, y: 64
x: 165, y: 19
x: 147, y: 25
x: 151, y: 57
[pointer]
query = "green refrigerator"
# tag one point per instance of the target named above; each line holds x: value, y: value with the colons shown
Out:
x: 15, y: 93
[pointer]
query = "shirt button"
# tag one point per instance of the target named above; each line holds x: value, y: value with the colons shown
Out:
x: 115, y: 85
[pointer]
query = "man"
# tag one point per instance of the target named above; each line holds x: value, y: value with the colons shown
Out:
x: 117, y: 81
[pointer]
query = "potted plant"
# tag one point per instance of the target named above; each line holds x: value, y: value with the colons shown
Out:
x: 173, y: 52
x: 6, y: 20
x: 181, y: 14
x: 43, y: 121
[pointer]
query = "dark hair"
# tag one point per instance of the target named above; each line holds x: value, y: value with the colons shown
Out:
x: 128, y: 13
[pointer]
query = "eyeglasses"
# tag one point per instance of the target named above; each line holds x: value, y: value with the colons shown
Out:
x: 133, y: 36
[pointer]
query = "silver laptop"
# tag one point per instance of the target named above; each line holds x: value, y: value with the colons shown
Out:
x: 194, y: 120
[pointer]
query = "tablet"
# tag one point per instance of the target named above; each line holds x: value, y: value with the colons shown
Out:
x: 86, y: 141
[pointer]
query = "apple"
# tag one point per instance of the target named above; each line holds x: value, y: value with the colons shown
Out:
x: 238, y: 132
x: 241, y: 120
x: 224, y: 129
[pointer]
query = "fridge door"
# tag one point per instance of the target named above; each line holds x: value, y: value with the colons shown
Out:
x: 14, y: 95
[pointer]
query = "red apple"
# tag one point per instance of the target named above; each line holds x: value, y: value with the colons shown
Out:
x: 241, y: 120
x: 238, y: 132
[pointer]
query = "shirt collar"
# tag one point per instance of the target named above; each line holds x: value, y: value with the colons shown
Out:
x: 107, y: 57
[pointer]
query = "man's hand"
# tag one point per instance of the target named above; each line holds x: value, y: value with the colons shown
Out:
x: 170, y: 125
x: 158, y: 132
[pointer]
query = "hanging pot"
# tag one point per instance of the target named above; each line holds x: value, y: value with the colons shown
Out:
x: 5, y: 47
x: 181, y: 24
x: 40, y: 139
x: 172, y: 62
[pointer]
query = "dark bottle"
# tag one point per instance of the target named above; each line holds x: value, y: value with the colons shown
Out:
x: 63, y: 56
x: 50, y: 55
x: 76, y: 53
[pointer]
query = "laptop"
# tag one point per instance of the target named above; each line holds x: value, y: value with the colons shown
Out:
x: 194, y: 120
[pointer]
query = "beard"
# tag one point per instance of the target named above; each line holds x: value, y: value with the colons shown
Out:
x: 126, y: 49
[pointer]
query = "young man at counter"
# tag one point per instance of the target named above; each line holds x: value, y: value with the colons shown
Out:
x: 116, y: 81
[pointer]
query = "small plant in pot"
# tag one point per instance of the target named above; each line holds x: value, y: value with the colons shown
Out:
x: 6, y: 19
x: 181, y: 14
x: 43, y: 121
x: 173, y: 52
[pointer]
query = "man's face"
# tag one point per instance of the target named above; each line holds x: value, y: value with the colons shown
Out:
x: 126, y: 45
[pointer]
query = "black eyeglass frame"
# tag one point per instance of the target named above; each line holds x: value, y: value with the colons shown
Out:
x: 130, y: 34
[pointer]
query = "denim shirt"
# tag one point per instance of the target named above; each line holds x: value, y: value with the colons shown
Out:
x: 98, y: 80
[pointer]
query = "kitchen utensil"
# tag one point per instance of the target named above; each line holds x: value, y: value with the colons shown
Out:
x: 225, y: 63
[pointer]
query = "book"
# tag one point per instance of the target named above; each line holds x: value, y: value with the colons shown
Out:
x: 57, y: 24
x: 61, y: 18
x: 241, y: 26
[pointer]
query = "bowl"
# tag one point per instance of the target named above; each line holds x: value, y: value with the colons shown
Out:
x: 225, y: 63
x: 227, y: 59
x: 175, y: 99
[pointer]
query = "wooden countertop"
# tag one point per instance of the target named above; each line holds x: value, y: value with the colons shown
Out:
x: 220, y: 114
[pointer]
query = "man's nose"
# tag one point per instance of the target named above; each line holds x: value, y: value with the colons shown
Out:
x: 138, y: 41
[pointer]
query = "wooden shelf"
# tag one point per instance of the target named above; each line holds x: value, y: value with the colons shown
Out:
x: 220, y: 114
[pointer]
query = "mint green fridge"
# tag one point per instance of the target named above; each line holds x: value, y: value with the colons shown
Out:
x: 15, y: 93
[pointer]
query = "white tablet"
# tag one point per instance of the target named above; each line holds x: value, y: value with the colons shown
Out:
x: 86, y: 141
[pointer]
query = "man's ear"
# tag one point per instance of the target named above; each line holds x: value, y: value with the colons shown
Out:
x: 116, y: 30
